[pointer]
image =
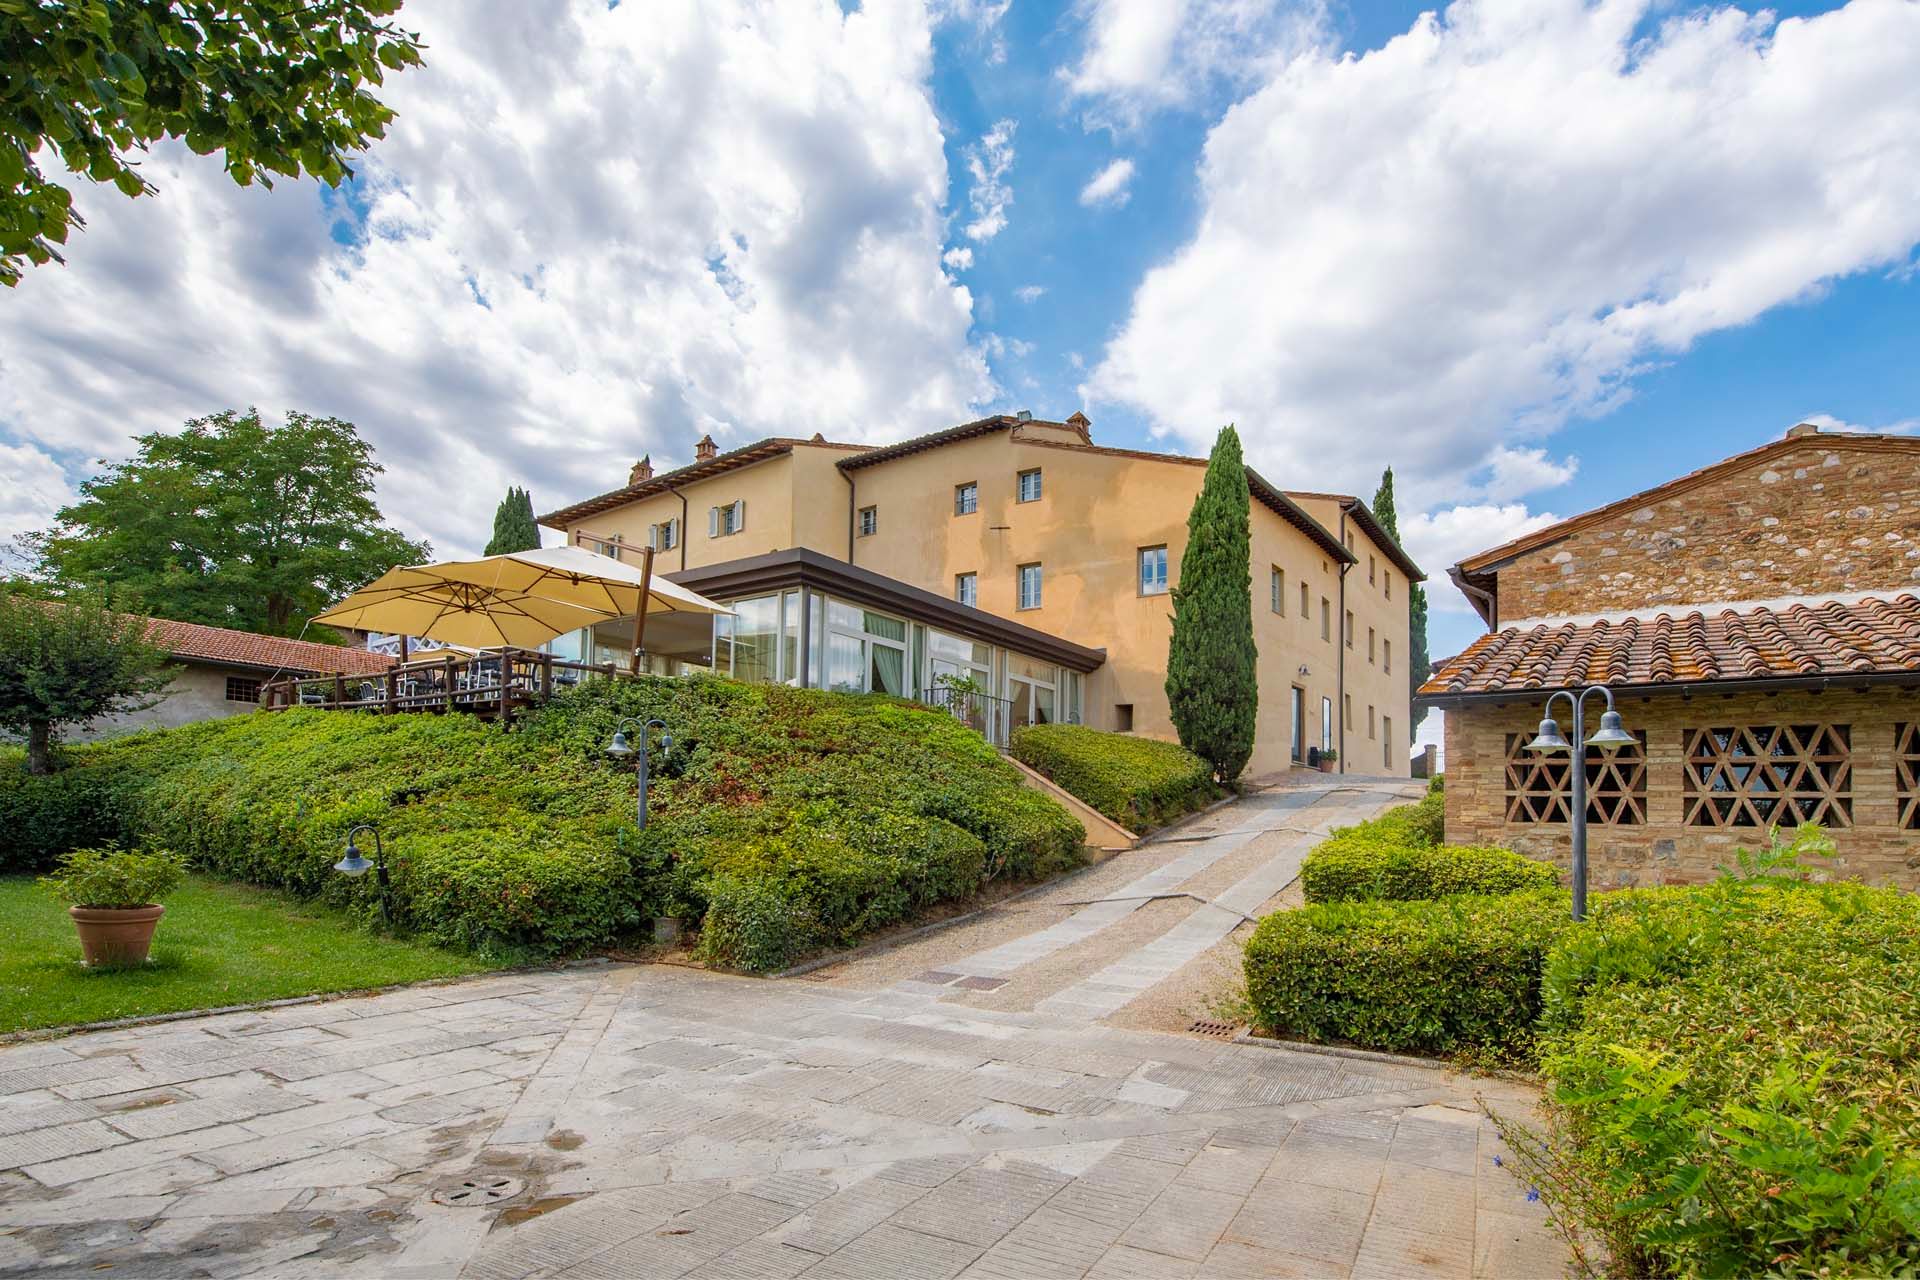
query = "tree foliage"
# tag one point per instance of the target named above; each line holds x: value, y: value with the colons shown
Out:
x: 1420, y: 661
x: 68, y: 662
x: 1211, y: 687
x: 514, y: 528
x: 232, y: 523
x: 278, y: 88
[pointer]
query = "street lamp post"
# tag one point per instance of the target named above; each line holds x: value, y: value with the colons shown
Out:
x: 620, y: 750
x: 1609, y: 737
x: 356, y: 864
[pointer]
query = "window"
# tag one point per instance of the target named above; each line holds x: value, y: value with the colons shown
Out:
x: 966, y: 588
x: 1906, y: 773
x: 1277, y: 590
x: 725, y: 521
x: 869, y: 521
x: 1757, y: 775
x: 1347, y: 633
x: 664, y: 536
x: 1370, y: 644
x: 1326, y: 618
x: 1346, y: 711
x: 1370, y: 570
x: 1370, y: 722
x: 1123, y: 717
x: 1386, y: 742
x: 1153, y: 571
x: 1386, y: 655
x: 966, y: 498
x: 242, y: 689
x: 1389, y: 580
x: 1304, y: 602
x: 1326, y: 724
x: 611, y: 547
x: 1539, y: 787
x: 1030, y: 485
x: 1297, y: 705
x: 1029, y: 586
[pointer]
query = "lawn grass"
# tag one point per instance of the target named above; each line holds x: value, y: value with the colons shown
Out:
x: 219, y: 944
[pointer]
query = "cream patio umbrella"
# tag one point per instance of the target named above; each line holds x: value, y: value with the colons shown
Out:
x: 521, y: 599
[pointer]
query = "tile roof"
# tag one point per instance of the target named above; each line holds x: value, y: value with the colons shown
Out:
x: 1370, y: 525
x: 758, y: 451
x: 191, y: 641
x: 1872, y: 637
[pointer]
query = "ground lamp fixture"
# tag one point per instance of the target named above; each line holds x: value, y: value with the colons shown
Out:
x: 356, y: 864
x: 621, y: 750
x: 1609, y: 737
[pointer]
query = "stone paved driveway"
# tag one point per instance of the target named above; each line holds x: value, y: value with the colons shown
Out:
x: 663, y: 1122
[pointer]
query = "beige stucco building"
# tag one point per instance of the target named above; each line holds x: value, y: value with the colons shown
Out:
x: 1018, y: 555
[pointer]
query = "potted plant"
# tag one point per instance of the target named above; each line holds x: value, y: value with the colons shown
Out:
x: 115, y: 897
x: 1327, y: 757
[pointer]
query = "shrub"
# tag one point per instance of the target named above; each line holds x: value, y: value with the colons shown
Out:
x: 1733, y: 1071
x: 1138, y: 782
x: 753, y: 925
x: 1398, y: 857
x: 1442, y: 976
x: 116, y: 879
x: 43, y: 816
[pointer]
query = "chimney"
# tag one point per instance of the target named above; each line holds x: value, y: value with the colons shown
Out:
x: 1025, y: 415
x: 706, y: 449
x: 1803, y: 429
x: 642, y: 470
x: 1083, y: 424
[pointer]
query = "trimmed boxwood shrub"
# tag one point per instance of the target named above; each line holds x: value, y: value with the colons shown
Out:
x: 1734, y: 1075
x: 1440, y: 976
x: 853, y: 811
x: 1398, y: 857
x: 1138, y: 782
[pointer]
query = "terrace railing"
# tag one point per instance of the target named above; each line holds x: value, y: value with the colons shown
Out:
x: 493, y: 682
x: 990, y: 717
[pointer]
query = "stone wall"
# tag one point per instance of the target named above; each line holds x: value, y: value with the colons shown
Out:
x: 197, y: 692
x: 1834, y: 516
x: 1665, y: 850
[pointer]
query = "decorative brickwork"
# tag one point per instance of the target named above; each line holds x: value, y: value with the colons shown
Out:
x: 1881, y: 779
x: 1832, y: 515
x: 1539, y: 787
x: 1757, y: 775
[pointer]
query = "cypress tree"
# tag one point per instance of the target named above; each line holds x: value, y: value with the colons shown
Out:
x: 513, y: 524
x: 1211, y: 686
x: 1420, y: 663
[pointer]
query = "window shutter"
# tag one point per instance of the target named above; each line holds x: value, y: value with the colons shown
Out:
x: 739, y: 515
x: 653, y: 536
x: 713, y: 522
x: 673, y: 532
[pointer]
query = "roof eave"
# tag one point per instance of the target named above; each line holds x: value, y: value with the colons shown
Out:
x: 1678, y: 688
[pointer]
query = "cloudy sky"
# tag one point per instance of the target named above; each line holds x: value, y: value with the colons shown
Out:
x: 1532, y: 253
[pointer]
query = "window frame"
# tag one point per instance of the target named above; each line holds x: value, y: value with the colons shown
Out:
x: 966, y: 498
x: 1020, y: 603
x: 1277, y: 590
x: 1140, y: 570
x: 243, y: 680
x: 966, y: 589
x: 1020, y: 494
x: 869, y: 521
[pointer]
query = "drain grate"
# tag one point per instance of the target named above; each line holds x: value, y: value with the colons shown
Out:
x: 475, y: 1193
x: 1219, y: 1030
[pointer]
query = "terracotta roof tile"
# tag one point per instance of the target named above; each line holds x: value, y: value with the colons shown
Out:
x: 191, y: 640
x: 1873, y: 636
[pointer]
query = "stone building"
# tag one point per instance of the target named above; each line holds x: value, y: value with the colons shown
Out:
x: 1758, y: 622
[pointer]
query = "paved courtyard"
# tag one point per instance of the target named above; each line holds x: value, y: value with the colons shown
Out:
x: 982, y: 1118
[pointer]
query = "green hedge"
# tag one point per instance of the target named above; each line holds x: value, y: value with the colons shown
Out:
x: 1442, y: 976
x: 1138, y: 782
x: 851, y: 811
x: 1398, y: 857
x: 1734, y: 1075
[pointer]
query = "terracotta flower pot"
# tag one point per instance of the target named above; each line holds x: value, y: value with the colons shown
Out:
x: 115, y: 935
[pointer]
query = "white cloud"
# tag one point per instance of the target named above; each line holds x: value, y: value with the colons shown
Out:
x: 1109, y: 186
x: 988, y: 161
x: 1437, y: 540
x: 1517, y: 471
x: 36, y: 487
x: 1140, y: 57
x: 1828, y: 422
x: 983, y: 16
x: 1030, y: 292
x: 958, y: 258
x: 658, y: 203
x: 1464, y: 238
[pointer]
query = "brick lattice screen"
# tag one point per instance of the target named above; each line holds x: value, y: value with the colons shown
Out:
x: 1906, y: 773
x: 1756, y: 775
x: 1538, y: 789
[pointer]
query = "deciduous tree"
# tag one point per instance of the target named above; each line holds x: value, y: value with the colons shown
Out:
x: 1211, y: 687
x: 277, y: 88
x: 232, y: 522
x: 67, y: 662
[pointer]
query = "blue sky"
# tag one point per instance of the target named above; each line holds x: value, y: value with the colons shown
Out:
x: 1536, y: 254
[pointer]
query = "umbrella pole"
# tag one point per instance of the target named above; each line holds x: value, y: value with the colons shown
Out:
x: 640, y: 622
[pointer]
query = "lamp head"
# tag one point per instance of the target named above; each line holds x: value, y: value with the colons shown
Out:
x: 354, y: 864
x: 666, y: 742
x: 1610, y: 737
x: 1549, y: 739
x: 618, y: 748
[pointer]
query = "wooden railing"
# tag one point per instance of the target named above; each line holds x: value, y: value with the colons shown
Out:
x: 493, y: 682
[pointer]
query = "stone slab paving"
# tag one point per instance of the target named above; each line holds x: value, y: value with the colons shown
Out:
x: 657, y: 1121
